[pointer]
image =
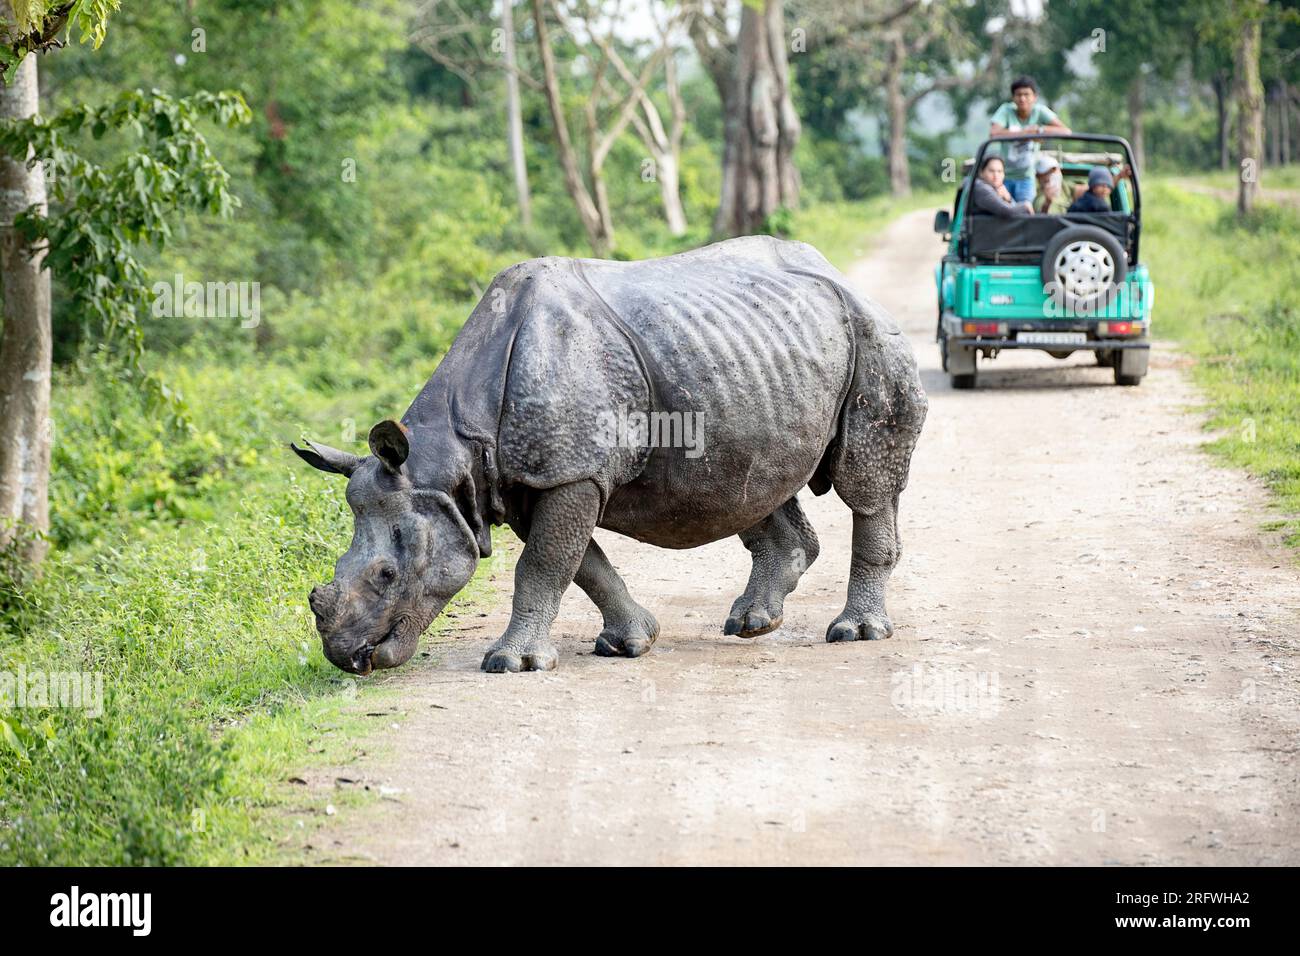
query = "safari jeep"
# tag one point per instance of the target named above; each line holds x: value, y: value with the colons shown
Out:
x: 1059, y: 284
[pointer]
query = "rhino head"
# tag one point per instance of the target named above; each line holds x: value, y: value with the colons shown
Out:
x: 412, y: 551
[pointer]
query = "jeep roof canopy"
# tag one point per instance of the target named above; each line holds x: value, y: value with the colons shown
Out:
x: 1065, y: 158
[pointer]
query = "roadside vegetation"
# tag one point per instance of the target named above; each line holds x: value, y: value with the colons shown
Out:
x: 1228, y: 290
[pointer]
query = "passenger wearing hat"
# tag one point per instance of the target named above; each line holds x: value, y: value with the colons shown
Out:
x: 1052, y: 197
x: 1097, y: 198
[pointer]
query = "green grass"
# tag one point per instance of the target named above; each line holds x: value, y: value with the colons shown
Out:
x: 1229, y: 292
x: 181, y: 559
x: 1271, y: 178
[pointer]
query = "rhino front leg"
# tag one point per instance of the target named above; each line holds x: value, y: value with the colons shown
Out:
x: 558, y: 534
x: 629, y: 628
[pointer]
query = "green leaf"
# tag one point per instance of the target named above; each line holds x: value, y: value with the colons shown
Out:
x: 9, y: 737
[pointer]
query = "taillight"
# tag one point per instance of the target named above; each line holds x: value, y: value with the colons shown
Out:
x: 1119, y: 328
x: 983, y: 328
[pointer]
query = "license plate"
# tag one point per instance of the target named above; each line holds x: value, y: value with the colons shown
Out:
x: 1052, y: 338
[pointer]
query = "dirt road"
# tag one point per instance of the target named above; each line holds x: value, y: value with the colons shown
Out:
x: 1095, y: 663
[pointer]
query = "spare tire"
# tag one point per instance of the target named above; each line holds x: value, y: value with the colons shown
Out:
x: 1082, y: 265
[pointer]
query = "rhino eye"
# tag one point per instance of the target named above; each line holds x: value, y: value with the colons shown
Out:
x: 397, y: 535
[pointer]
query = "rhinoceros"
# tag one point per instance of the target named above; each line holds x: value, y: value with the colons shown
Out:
x: 677, y: 401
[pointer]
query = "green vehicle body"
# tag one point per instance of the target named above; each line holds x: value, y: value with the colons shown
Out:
x: 986, y: 305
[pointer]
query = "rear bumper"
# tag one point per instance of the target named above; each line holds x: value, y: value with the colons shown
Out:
x: 1099, y: 336
x: 984, y: 342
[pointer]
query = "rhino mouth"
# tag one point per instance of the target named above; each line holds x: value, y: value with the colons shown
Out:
x: 394, y: 648
x: 363, y: 660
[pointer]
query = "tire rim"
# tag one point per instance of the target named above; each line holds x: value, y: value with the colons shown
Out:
x: 1084, y: 269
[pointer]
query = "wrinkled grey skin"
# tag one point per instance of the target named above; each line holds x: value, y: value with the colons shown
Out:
x: 793, y: 380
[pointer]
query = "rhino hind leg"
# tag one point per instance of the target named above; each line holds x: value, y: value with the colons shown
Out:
x: 868, y: 468
x: 629, y: 629
x: 558, y: 534
x: 875, y: 553
x: 783, y: 546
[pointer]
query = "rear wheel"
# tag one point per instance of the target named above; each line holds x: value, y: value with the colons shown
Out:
x: 1081, y: 268
x: 1130, y: 365
x: 958, y: 362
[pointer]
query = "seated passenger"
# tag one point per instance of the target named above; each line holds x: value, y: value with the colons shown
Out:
x: 989, y: 195
x: 1053, y: 199
x: 1097, y: 198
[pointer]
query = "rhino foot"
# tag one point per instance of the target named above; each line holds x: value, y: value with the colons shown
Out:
x: 629, y: 639
x: 752, y: 621
x: 860, y: 627
x: 784, y: 545
x: 536, y: 656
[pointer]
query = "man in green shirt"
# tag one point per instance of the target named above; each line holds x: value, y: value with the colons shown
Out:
x: 1024, y: 114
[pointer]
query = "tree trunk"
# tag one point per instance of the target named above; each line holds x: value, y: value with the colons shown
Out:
x: 670, y: 193
x: 665, y: 153
x: 900, y: 178
x: 716, y: 51
x: 787, y: 117
x: 728, y: 199
x: 598, y: 233
x: 1250, y: 108
x: 762, y: 127
x: 1284, y: 122
x: 1137, y: 120
x: 1221, y: 94
x: 596, y: 170
x: 1292, y: 101
x: 1277, y: 125
x: 514, y: 121
x: 664, y: 147
x: 25, y: 343
x: 669, y: 161
x: 1271, y: 123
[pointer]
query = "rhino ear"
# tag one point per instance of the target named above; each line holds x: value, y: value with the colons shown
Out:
x: 327, y: 459
x: 388, y: 443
